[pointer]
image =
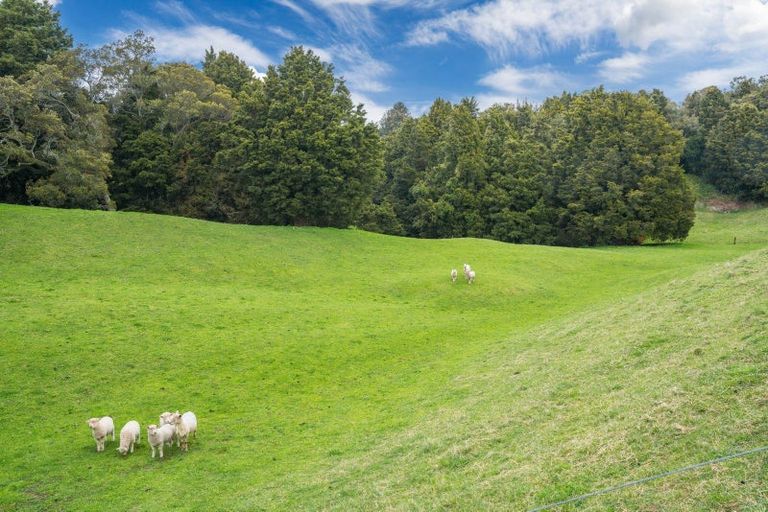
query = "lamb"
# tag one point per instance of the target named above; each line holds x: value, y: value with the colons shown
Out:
x: 454, y: 275
x: 159, y: 436
x: 469, y: 273
x: 129, y: 435
x: 166, y: 418
x: 101, y: 428
x: 186, y: 424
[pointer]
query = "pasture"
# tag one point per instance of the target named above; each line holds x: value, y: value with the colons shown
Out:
x: 340, y: 369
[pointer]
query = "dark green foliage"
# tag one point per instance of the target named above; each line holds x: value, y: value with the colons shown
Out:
x: 54, y: 141
x: 29, y: 34
x: 292, y: 148
x: 588, y: 169
x: 168, y: 130
x: 703, y: 110
x: 306, y: 155
x: 393, y: 118
x: 616, y: 172
x: 727, y: 137
x: 227, y: 69
x: 737, y: 151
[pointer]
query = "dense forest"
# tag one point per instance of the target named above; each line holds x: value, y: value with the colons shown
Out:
x: 111, y: 128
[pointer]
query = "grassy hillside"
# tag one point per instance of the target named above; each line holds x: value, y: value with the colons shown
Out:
x: 341, y: 369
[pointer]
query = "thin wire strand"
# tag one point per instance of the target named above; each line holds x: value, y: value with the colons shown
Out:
x: 649, y: 478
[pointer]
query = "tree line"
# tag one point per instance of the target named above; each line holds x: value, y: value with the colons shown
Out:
x: 111, y: 128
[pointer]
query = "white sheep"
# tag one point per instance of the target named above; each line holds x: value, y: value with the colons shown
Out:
x: 129, y: 436
x: 471, y: 277
x: 100, y: 429
x: 186, y: 424
x: 166, y: 418
x: 467, y: 270
x: 159, y: 436
x: 454, y: 275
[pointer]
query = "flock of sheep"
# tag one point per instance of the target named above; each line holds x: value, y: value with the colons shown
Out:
x: 469, y: 274
x: 174, y: 426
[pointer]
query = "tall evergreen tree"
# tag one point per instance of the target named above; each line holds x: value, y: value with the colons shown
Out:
x: 393, y: 118
x: 228, y: 69
x: 617, y: 173
x: 308, y: 155
x: 30, y: 33
x: 167, y: 143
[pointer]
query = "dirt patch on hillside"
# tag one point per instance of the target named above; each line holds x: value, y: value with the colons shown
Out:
x: 724, y: 205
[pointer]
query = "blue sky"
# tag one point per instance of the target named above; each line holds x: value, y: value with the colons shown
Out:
x: 495, y: 50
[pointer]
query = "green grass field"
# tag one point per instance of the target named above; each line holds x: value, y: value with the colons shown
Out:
x: 341, y: 370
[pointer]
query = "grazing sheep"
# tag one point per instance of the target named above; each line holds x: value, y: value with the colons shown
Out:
x: 101, y: 428
x: 186, y: 424
x: 166, y: 418
x: 159, y: 436
x: 467, y: 270
x: 129, y: 436
x: 471, y: 277
x: 454, y: 275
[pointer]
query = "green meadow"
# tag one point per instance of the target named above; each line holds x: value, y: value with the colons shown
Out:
x: 342, y: 370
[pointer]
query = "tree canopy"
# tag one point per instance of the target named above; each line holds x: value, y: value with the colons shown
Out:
x: 584, y: 169
x: 727, y: 137
x: 110, y: 127
x: 30, y: 33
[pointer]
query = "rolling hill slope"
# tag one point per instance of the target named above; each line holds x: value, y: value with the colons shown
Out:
x: 341, y: 369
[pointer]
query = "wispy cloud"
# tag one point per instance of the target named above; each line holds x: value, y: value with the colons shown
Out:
x: 297, y: 9
x: 510, y: 84
x: 324, y: 54
x: 587, y: 56
x: 361, y: 70
x: 282, y: 32
x: 176, y: 9
x: 663, y: 28
x: 625, y: 68
x: 187, y: 39
x: 720, y: 76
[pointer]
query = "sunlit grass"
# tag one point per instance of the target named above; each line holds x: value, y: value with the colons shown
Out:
x: 342, y: 369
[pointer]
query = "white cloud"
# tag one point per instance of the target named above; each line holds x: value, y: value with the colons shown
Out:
x: 525, y: 26
x: 359, y: 68
x: 720, y: 76
x: 257, y: 73
x: 297, y: 9
x: 282, y: 32
x: 668, y: 26
x: 357, y: 17
x: 352, y: 17
x: 324, y: 54
x: 586, y: 56
x: 374, y: 111
x: 510, y: 84
x: 189, y: 41
x: 629, y: 66
x: 176, y: 9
